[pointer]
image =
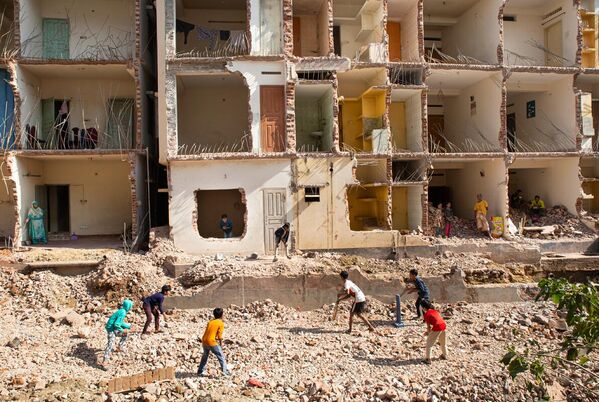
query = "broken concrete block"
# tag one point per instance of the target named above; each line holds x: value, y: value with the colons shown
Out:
x: 59, y: 315
x: 84, y: 332
x: 14, y: 343
x: 74, y: 319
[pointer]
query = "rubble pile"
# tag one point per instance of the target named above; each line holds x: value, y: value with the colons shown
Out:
x: 557, y: 223
x: 460, y: 228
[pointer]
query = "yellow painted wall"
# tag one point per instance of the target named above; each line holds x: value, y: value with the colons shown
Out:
x: 366, y: 202
x: 397, y: 119
x: 352, y: 123
x: 399, y: 205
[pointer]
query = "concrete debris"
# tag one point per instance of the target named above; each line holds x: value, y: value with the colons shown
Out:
x: 557, y: 223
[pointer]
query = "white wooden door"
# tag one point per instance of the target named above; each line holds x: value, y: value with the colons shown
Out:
x: 274, y: 216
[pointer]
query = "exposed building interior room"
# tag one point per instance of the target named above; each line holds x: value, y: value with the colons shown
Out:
x: 362, y: 105
x: 405, y: 170
x: 84, y: 29
x: 7, y: 205
x: 359, y: 30
x: 207, y: 28
x: 541, y: 33
x: 371, y: 171
x: 81, y: 195
x: 464, y: 111
x: 405, y: 120
x: 220, y: 103
x: 448, y: 28
x: 402, y: 30
x: 76, y: 106
x: 589, y: 28
x: 212, y: 204
x: 589, y: 169
x: 541, y: 114
x: 314, y: 118
x: 406, y: 207
x: 368, y: 207
x: 459, y: 181
x: 311, y: 28
x: 555, y: 180
x: 588, y: 85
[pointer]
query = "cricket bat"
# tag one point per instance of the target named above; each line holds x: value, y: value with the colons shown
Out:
x: 335, y: 311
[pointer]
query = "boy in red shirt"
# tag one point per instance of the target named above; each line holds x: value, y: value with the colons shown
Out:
x: 435, y: 331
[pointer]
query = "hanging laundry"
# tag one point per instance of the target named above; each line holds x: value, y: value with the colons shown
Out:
x: 184, y: 27
x: 209, y: 35
x: 224, y: 35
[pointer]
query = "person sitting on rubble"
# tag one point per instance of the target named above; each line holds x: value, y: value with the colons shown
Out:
x: 282, y: 236
x: 448, y: 215
x: 480, y: 215
x: 517, y: 200
x: 152, y: 306
x: 537, y: 208
x: 116, y: 326
x: 438, y: 220
x: 358, y: 307
x: 435, y: 331
x: 226, y: 226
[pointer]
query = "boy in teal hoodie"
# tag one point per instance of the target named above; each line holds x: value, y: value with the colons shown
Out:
x: 116, y: 326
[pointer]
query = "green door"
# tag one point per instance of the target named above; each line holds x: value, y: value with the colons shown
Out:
x: 119, y: 127
x: 48, y: 122
x: 55, y: 41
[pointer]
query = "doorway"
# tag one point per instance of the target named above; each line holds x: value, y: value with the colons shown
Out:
x: 511, y: 132
x: 553, y: 44
x: 394, y: 33
x: 272, y: 118
x: 54, y: 201
x: 274, y: 216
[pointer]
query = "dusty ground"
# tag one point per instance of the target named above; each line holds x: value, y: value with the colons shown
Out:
x: 298, y: 355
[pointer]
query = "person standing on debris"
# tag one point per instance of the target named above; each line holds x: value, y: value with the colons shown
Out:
x: 480, y: 215
x: 537, y: 208
x: 438, y: 220
x: 282, y: 236
x: 226, y: 226
x: 35, y: 219
x: 350, y: 289
x: 448, y: 214
x: 212, y: 342
x: 153, y: 308
x: 116, y: 326
x: 420, y: 287
x: 435, y: 331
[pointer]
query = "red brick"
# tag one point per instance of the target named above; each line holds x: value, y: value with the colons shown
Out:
x: 170, y: 373
x: 111, y: 386
x: 118, y: 384
x: 148, y: 377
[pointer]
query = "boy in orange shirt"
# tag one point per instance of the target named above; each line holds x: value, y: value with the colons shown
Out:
x: 212, y: 342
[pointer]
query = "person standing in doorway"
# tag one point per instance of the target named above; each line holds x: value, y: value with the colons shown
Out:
x: 35, y: 220
x: 282, y: 236
x: 226, y: 226
x: 481, y: 208
x: 448, y: 214
x: 358, y: 307
x: 152, y: 306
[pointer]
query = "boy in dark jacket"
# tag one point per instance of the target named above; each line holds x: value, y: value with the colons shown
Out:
x: 116, y: 326
x: 153, y: 308
x: 421, y: 288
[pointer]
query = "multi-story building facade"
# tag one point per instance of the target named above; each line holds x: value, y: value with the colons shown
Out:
x: 348, y: 117
x: 77, y: 116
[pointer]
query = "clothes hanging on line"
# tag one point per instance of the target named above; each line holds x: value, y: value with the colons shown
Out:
x: 209, y: 35
x: 185, y: 27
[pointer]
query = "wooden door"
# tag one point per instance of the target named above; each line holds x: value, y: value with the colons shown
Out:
x: 297, y: 43
x: 394, y: 32
x: 272, y: 118
x: 553, y: 43
x: 274, y: 216
x: 436, y: 126
x: 55, y: 38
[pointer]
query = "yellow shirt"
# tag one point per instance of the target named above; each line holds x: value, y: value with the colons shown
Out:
x: 535, y: 204
x: 214, y: 332
x: 481, y: 206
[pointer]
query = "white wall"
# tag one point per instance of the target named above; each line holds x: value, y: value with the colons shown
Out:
x: 98, y: 29
x: 252, y: 72
x: 410, y: 49
x: 414, y: 123
x: 7, y: 206
x: 31, y: 108
x: 461, y: 124
x: 415, y: 207
x: 99, y: 191
x: 555, y: 180
x: 266, y: 39
x: 349, y: 45
x: 252, y: 176
x: 476, y: 33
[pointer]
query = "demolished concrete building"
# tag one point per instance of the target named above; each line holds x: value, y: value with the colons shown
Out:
x: 77, y: 119
x: 348, y: 118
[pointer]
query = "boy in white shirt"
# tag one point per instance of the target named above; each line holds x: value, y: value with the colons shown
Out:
x: 350, y: 289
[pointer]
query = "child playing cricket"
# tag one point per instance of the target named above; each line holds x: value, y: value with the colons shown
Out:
x: 435, y: 331
x: 212, y: 342
x: 116, y: 326
x: 421, y: 288
x: 350, y: 289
